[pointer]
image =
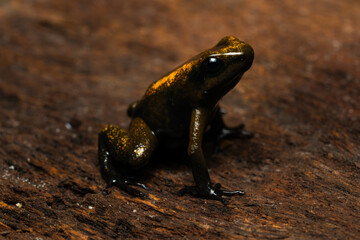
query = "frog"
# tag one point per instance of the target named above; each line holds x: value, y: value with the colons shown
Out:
x: 177, y: 112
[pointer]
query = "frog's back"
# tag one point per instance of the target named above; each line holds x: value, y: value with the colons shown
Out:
x: 175, y: 81
x: 166, y: 110
x: 167, y: 118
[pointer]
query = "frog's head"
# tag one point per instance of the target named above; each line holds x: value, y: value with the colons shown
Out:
x: 222, y: 66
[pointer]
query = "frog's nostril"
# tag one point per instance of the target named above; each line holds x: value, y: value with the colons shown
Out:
x: 242, y: 57
x: 248, y: 56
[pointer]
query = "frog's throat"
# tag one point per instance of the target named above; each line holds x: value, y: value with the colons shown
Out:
x: 214, y: 95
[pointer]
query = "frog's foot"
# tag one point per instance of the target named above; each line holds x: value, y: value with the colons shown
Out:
x: 124, y: 184
x: 231, y: 133
x: 234, y: 132
x: 219, y: 130
x: 214, y: 193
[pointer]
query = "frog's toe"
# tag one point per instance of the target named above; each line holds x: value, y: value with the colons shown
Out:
x: 124, y: 185
x: 211, y: 193
x: 231, y: 133
x: 245, y: 134
x: 134, y: 182
x: 236, y: 132
x: 232, y: 193
x: 228, y: 193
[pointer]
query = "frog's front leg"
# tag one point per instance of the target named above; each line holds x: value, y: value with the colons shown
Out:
x: 219, y: 130
x: 131, y: 109
x: 201, y: 176
x: 120, y: 151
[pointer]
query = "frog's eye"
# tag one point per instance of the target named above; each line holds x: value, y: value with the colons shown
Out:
x: 213, y: 65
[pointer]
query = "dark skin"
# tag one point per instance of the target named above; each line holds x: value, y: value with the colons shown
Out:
x: 175, y: 112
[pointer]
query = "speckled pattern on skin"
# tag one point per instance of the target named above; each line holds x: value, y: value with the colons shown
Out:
x: 175, y: 111
x: 136, y: 145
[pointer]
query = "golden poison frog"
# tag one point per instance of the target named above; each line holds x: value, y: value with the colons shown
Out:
x: 175, y: 113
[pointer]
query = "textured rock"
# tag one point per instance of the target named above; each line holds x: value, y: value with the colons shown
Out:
x: 67, y: 68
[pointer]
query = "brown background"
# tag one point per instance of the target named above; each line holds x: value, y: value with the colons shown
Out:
x: 67, y: 68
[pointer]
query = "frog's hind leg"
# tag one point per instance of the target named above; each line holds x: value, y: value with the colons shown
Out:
x: 121, y: 151
x: 219, y: 130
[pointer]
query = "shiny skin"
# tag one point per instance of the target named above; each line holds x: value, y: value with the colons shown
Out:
x: 175, y: 113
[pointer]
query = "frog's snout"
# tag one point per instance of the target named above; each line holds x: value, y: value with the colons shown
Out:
x: 248, y: 56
